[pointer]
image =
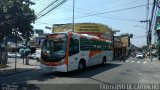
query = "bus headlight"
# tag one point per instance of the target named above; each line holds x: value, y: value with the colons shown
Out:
x: 46, y: 53
x: 61, y: 62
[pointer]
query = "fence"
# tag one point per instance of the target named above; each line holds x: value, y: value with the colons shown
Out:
x: 3, y: 57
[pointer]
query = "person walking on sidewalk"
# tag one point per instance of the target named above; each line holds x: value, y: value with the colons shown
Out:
x: 123, y: 58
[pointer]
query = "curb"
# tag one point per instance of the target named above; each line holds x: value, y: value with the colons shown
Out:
x: 3, y: 66
x: 18, y: 72
x: 153, y: 60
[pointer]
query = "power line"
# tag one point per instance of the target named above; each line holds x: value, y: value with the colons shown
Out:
x: 101, y: 13
x: 47, y: 7
x: 40, y: 1
x: 114, y: 17
x: 111, y: 11
x: 84, y: 16
x: 115, y: 10
x: 93, y: 5
x: 50, y: 23
x: 44, y: 23
x: 140, y: 36
x: 124, y: 4
x: 54, y: 7
x: 40, y: 4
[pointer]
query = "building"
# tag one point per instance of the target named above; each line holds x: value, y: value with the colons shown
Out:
x: 125, y: 43
x: 122, y: 45
x: 37, y: 41
x: 95, y: 29
x: 117, y: 47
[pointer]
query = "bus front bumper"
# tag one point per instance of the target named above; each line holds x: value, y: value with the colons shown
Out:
x: 60, y: 68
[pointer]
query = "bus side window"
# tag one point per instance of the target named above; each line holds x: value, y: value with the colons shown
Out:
x: 105, y: 46
x: 76, y: 46
x: 73, y: 46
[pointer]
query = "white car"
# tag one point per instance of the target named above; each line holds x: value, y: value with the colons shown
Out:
x: 36, y: 55
x: 13, y: 55
x: 140, y: 55
x: 18, y: 55
x: 32, y: 56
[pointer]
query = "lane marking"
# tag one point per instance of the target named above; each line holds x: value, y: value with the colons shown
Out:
x: 144, y: 62
x: 138, y: 61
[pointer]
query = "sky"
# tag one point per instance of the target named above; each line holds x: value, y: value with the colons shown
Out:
x: 127, y: 21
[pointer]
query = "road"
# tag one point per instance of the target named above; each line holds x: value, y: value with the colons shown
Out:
x: 133, y: 71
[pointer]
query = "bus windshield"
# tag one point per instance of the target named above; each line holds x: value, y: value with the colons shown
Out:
x: 54, y: 47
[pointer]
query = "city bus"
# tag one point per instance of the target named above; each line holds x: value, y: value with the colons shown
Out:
x: 64, y: 52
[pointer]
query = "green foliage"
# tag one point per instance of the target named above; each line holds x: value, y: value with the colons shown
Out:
x: 158, y: 43
x: 21, y: 51
x: 16, y: 18
x: 24, y: 52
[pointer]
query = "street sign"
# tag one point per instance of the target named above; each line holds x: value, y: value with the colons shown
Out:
x: 39, y: 31
x: 116, y: 30
x: 46, y: 27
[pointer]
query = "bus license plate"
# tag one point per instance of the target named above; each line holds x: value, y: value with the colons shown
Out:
x: 51, y: 68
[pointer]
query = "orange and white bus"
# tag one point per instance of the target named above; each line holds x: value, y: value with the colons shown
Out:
x: 64, y: 52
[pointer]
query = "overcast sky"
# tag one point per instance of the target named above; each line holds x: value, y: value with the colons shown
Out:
x: 108, y: 12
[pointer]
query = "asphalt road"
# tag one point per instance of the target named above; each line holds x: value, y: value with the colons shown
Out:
x: 133, y: 71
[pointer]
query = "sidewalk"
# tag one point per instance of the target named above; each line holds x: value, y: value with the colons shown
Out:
x: 10, y: 69
x: 154, y: 60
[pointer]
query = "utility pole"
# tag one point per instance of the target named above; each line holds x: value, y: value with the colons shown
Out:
x: 73, y: 16
x: 147, y: 15
x: 150, y: 31
x: 149, y: 35
x: 16, y: 50
x: 158, y: 30
x: 150, y: 40
x: 147, y: 12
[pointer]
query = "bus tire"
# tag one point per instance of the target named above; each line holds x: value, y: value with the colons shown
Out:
x: 81, y: 65
x: 104, y: 61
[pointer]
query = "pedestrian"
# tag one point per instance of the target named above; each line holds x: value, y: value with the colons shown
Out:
x: 123, y: 58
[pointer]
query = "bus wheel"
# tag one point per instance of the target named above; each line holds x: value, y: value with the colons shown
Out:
x: 104, y: 61
x: 81, y: 66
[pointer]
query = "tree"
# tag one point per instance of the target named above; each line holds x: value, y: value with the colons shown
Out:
x: 16, y: 18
